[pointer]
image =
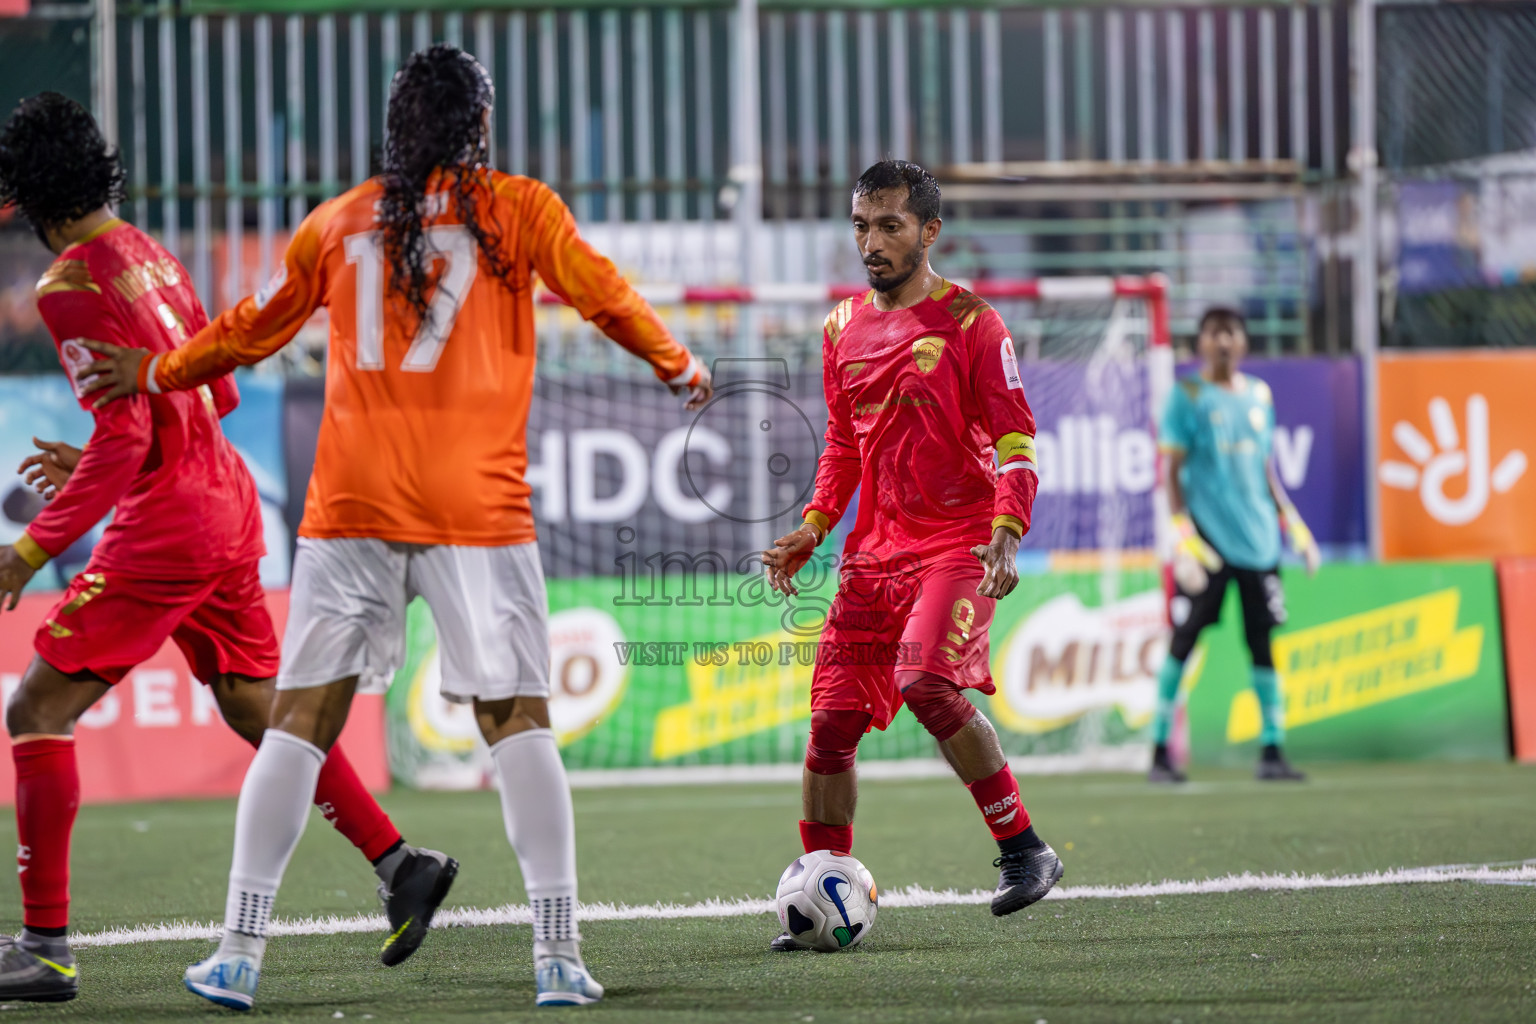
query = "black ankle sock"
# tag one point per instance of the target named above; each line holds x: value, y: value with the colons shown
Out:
x: 1270, y: 753
x: 380, y: 858
x: 52, y: 933
x: 1026, y: 840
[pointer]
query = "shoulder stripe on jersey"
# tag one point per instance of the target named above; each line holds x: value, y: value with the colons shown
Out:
x: 1191, y: 386
x: 67, y: 276
x: 838, y: 319
x: 966, y: 307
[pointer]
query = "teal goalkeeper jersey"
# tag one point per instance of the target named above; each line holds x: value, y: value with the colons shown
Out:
x: 1226, y: 437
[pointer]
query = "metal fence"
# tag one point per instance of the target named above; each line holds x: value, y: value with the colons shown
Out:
x: 1095, y: 136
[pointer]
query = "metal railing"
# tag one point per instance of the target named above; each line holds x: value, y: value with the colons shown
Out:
x: 235, y: 118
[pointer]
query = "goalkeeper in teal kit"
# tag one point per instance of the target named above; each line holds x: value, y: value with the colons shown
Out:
x: 1228, y: 511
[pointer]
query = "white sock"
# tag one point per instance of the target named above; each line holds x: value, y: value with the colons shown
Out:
x: 536, y: 805
x: 274, y: 807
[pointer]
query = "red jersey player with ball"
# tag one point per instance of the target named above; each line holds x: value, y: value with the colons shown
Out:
x: 922, y: 388
x: 178, y: 562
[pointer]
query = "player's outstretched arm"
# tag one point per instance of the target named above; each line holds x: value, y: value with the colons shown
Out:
x: 588, y: 280
x: 256, y: 327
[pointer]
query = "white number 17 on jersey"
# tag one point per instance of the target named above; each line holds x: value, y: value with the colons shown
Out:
x: 451, y: 243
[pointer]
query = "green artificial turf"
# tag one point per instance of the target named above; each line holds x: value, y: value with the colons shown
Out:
x: 1443, y: 952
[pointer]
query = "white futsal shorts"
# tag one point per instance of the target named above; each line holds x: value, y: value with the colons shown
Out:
x: 346, y: 615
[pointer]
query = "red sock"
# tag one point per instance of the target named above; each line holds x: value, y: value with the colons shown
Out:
x: 47, y: 797
x: 341, y: 797
x: 998, y: 797
x: 816, y: 836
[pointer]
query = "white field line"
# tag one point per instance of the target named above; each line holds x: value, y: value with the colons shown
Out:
x: 911, y: 896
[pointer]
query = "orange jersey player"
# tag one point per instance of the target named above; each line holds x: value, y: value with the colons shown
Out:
x: 423, y: 439
x: 179, y: 560
x: 418, y: 488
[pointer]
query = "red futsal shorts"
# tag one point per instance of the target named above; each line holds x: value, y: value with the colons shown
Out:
x: 928, y: 621
x: 107, y: 622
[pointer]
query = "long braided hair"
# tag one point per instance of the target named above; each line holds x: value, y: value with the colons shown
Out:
x: 436, y: 121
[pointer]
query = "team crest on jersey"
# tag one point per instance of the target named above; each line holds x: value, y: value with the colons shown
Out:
x: 1256, y: 417
x: 926, y: 352
x: 76, y: 357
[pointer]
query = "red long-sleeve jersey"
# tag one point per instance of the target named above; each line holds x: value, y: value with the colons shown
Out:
x: 185, y: 503
x: 919, y: 401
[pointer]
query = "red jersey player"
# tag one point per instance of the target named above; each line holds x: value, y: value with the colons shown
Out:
x: 922, y: 387
x: 179, y: 559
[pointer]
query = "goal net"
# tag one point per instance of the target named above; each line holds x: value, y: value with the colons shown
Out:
x: 667, y: 648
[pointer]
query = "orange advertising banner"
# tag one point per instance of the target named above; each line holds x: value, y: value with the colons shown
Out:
x: 1458, y: 431
x: 158, y: 734
x: 1517, y: 597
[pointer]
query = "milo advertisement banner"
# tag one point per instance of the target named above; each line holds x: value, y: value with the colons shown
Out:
x: 1399, y: 661
x: 721, y: 674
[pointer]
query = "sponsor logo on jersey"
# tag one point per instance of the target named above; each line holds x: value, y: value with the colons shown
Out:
x: 1010, y: 365
x: 926, y: 353
x: 269, y: 289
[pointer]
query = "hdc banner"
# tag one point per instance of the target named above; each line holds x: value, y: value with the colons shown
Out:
x: 619, y: 470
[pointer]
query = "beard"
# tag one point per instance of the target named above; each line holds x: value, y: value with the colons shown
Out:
x: 904, y: 272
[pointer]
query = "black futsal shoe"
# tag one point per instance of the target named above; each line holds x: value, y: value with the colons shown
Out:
x: 1273, y: 767
x: 1025, y: 877
x: 412, y: 897
x: 1162, y: 769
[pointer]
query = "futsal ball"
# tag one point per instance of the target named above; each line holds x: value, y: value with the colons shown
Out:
x: 827, y: 901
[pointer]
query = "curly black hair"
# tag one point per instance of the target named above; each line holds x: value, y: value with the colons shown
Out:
x: 55, y: 166
x: 437, y: 105
x: 922, y: 189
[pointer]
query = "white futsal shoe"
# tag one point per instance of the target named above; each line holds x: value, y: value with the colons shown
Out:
x: 227, y: 980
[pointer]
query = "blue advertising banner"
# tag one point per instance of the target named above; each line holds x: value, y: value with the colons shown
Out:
x: 1096, y: 452
x: 1319, y: 444
x: 1437, y: 227
x: 1098, y: 459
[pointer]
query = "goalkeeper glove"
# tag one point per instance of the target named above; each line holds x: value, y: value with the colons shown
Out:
x: 1302, y: 541
x: 1193, y: 559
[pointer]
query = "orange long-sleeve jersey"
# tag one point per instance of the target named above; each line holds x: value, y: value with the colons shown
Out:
x: 423, y: 439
